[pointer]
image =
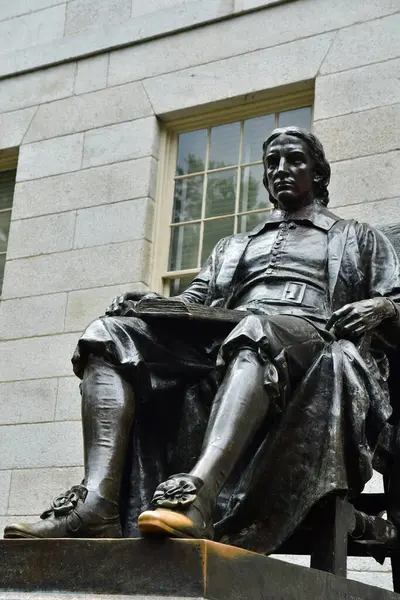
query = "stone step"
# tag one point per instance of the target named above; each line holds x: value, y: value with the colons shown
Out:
x: 162, y: 569
x: 47, y: 596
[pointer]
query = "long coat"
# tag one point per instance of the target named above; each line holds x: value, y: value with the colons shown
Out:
x: 326, y: 437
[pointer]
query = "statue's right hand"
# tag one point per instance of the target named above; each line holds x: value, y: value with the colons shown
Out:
x: 121, y: 303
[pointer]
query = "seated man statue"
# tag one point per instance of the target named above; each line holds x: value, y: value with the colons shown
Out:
x: 296, y: 392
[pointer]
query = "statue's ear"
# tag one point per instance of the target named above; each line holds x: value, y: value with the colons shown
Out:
x: 317, y: 178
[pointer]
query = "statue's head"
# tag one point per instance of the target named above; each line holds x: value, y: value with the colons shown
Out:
x: 296, y: 171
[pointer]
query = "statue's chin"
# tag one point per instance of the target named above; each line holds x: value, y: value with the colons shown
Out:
x: 289, y: 202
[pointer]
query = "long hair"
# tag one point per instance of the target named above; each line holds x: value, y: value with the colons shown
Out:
x: 322, y: 169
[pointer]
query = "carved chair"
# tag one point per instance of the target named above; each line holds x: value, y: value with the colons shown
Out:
x: 338, y: 527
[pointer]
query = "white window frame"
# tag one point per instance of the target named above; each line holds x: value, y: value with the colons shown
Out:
x: 255, y: 106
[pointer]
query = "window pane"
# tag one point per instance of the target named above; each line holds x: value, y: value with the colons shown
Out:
x: 7, y: 183
x: 221, y: 193
x: 253, y: 194
x: 213, y: 232
x: 248, y: 222
x: 301, y: 117
x: 177, y: 286
x: 256, y: 132
x: 224, y: 146
x: 2, y: 265
x: 192, y: 152
x: 4, y: 229
x: 188, y: 197
x: 184, y: 247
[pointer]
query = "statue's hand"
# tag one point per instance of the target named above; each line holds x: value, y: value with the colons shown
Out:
x: 122, y: 302
x: 352, y: 320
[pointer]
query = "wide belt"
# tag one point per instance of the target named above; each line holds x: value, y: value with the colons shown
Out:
x: 290, y: 292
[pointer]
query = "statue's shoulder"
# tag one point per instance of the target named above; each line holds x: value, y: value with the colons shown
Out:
x: 341, y: 223
x: 231, y: 240
x: 368, y: 234
x: 330, y: 220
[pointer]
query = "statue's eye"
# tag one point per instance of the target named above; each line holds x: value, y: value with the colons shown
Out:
x: 297, y: 157
x: 272, y: 162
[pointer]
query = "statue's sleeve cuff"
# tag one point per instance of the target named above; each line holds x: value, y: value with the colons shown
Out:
x: 396, y: 313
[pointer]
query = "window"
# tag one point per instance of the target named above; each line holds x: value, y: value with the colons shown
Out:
x: 215, y: 183
x: 7, y: 183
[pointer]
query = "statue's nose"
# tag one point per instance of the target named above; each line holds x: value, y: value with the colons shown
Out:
x: 283, y: 166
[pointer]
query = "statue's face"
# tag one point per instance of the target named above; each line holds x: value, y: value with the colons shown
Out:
x: 290, y: 169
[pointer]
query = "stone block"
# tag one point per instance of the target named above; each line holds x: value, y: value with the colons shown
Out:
x: 86, y: 305
x: 158, y: 17
x: 372, y: 42
x: 367, y: 563
x: 121, y: 222
x: 41, y: 445
x: 86, y: 15
x: 68, y: 399
x: 30, y: 401
x: 242, y: 5
x: 91, y: 74
x: 359, y: 134
x: 32, y: 29
x: 5, y: 482
x: 120, y: 142
x: 41, y: 235
x: 36, y: 358
x: 21, y: 7
x: 13, y: 126
x: 140, y: 8
x: 380, y: 580
x: 38, y: 315
x: 185, y: 568
x: 382, y: 212
x: 50, y: 157
x: 31, y: 89
x: 88, y: 187
x: 77, y: 269
x: 89, y: 111
x: 240, y: 75
x: 32, y: 490
x: 365, y: 179
x: 374, y: 485
x: 357, y: 89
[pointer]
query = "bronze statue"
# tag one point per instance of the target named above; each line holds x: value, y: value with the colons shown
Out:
x: 260, y: 420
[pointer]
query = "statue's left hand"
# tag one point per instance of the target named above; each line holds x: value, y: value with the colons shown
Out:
x: 121, y: 303
x: 352, y: 320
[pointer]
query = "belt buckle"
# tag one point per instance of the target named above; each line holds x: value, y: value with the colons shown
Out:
x: 294, y: 292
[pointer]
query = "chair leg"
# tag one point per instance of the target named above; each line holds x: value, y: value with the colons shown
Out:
x: 331, y: 536
x: 395, y: 560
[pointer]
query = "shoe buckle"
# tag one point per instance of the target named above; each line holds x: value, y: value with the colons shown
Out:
x: 63, y: 504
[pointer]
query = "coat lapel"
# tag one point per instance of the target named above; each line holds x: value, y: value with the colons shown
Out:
x: 337, y: 240
x: 227, y: 275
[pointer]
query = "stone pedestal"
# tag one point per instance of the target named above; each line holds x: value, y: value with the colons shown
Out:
x: 173, y: 569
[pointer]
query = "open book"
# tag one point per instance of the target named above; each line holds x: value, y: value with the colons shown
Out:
x: 176, y: 309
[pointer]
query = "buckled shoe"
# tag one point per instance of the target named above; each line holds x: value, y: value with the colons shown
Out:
x: 181, y: 511
x: 71, y: 515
